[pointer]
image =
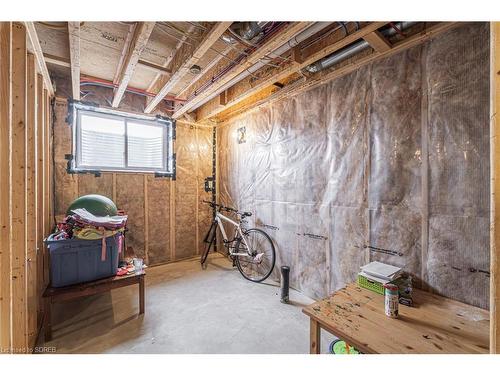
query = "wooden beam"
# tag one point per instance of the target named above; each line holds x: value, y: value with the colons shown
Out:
x: 154, y: 67
x: 168, y: 60
x: 139, y: 42
x: 219, y: 57
x: 308, y: 56
x: 56, y: 60
x: 268, y: 47
x: 18, y: 187
x: 31, y: 300
x: 125, y: 50
x: 329, y: 74
x: 5, y: 170
x: 37, y: 49
x: 495, y: 188
x: 74, y: 54
x: 193, y: 55
x: 40, y: 187
x: 377, y: 41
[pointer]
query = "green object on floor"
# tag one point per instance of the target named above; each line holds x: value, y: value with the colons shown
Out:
x: 97, y: 205
x: 341, y: 347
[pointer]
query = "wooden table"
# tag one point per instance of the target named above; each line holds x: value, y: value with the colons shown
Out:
x: 434, y: 325
x: 71, y: 292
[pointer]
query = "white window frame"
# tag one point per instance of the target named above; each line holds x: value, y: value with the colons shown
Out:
x: 167, y: 125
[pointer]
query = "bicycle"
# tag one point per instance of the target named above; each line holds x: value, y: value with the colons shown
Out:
x: 253, y: 251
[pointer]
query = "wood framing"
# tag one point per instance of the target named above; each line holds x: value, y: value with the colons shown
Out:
x: 5, y: 167
x: 74, y: 53
x: 247, y: 87
x: 329, y: 74
x: 168, y: 60
x: 220, y: 56
x: 21, y: 209
x: 495, y: 189
x: 154, y: 67
x: 272, y: 44
x: 18, y: 187
x: 139, y: 41
x: 40, y: 188
x: 37, y: 50
x: 377, y: 41
x: 181, y: 66
x: 31, y: 206
x: 56, y: 60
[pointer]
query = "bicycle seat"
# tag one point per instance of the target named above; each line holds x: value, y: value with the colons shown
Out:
x: 245, y: 214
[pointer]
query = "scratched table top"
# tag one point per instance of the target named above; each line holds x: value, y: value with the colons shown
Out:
x: 433, y: 325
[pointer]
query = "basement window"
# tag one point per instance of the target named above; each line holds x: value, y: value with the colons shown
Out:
x: 109, y: 140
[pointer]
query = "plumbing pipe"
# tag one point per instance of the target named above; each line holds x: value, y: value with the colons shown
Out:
x: 352, y: 49
x: 310, y: 31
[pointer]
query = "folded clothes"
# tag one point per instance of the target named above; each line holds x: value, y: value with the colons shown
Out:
x: 83, y: 225
x: 82, y: 216
x: 92, y: 233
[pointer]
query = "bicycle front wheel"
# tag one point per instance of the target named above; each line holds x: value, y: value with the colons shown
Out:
x: 259, y: 264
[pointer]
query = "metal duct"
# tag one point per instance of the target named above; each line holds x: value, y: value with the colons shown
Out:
x: 351, y: 50
x: 310, y: 31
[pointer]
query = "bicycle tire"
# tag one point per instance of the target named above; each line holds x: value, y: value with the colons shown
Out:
x: 273, y: 252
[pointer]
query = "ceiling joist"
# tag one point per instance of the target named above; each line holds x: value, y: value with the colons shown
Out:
x: 74, y: 54
x: 377, y: 41
x: 37, y: 50
x: 329, y: 74
x: 180, y: 65
x: 268, y: 47
x: 138, y: 43
x: 246, y: 88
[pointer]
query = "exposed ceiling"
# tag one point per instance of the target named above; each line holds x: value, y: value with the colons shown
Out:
x: 240, y: 64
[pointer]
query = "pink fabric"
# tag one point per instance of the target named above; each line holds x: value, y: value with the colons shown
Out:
x: 120, y: 243
x: 103, y: 248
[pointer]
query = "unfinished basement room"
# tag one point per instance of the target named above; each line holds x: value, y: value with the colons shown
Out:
x: 249, y: 187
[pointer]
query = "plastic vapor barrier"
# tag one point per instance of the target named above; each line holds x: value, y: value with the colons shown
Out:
x: 393, y: 156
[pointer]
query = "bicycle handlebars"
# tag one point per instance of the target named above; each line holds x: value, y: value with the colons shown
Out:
x: 225, y: 208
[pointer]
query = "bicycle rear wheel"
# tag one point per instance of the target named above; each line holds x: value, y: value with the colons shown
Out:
x: 260, y: 264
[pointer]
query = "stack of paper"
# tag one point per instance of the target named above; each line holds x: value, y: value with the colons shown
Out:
x: 380, y: 272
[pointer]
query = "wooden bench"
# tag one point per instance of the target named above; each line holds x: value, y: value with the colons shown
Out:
x: 434, y: 325
x: 71, y: 292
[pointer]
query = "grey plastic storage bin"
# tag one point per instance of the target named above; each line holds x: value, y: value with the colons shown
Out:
x: 76, y: 261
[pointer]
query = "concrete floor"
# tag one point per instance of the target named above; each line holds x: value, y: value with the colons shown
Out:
x: 188, y: 310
